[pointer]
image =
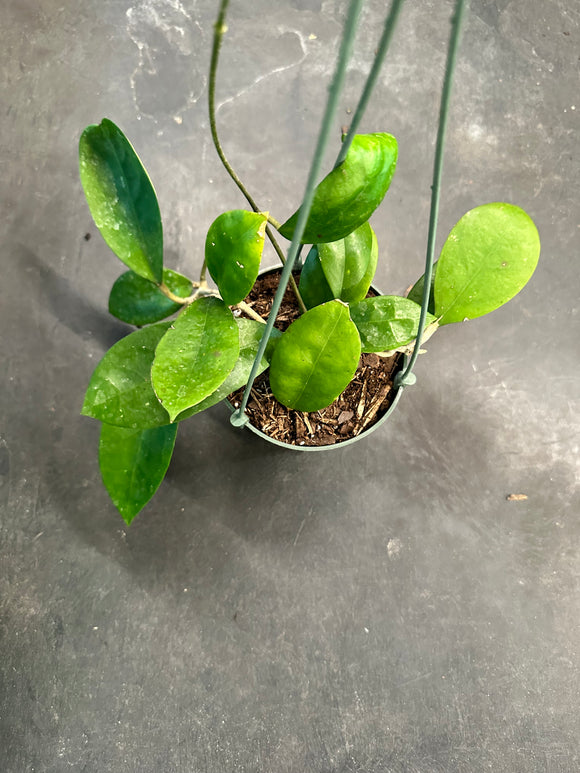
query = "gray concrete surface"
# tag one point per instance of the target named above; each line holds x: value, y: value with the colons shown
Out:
x: 381, y: 609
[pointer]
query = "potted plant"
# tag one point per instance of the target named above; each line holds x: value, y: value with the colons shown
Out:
x: 331, y: 354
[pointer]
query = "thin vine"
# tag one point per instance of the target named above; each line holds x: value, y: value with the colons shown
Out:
x: 220, y: 28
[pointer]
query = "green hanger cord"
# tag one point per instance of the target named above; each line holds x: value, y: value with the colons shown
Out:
x: 389, y: 28
x: 407, y: 377
x: 239, y: 417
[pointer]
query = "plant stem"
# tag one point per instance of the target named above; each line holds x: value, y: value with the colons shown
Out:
x: 220, y: 29
x: 203, y: 273
x: 238, y: 417
x: 202, y: 291
x: 388, y: 30
x: 247, y: 309
x: 407, y: 377
x: 177, y: 298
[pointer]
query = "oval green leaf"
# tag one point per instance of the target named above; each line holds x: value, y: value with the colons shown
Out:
x: 350, y: 264
x: 121, y: 199
x: 348, y: 196
x: 120, y: 390
x: 343, y: 269
x: 233, y: 251
x: 195, y: 355
x: 316, y: 358
x: 387, y: 322
x: 138, y: 301
x: 487, y: 259
x: 250, y: 336
x: 313, y: 286
x: 133, y: 463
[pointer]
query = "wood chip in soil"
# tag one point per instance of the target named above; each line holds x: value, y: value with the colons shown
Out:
x: 365, y: 400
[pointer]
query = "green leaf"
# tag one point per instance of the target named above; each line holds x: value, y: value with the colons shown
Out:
x: 121, y: 199
x: 343, y: 269
x: 350, y: 263
x: 138, y: 301
x: 314, y: 287
x: 250, y: 336
x: 348, y: 196
x: 195, y: 355
x: 120, y: 391
x: 233, y: 251
x: 487, y: 259
x: 416, y: 292
x: 387, y: 322
x: 133, y: 463
x: 316, y: 358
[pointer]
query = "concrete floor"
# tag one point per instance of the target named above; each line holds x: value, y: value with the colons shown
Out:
x: 379, y: 609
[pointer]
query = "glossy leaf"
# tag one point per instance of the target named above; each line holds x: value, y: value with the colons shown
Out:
x: 313, y: 286
x: 487, y: 259
x: 138, y: 301
x: 120, y: 391
x: 195, y: 355
x: 133, y: 463
x: 233, y: 251
x: 343, y: 269
x: 121, y: 199
x: 416, y: 292
x: 250, y: 336
x: 316, y: 358
x: 349, y: 264
x: 348, y: 196
x: 387, y: 322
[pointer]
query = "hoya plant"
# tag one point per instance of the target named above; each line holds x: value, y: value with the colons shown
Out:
x: 196, y: 343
